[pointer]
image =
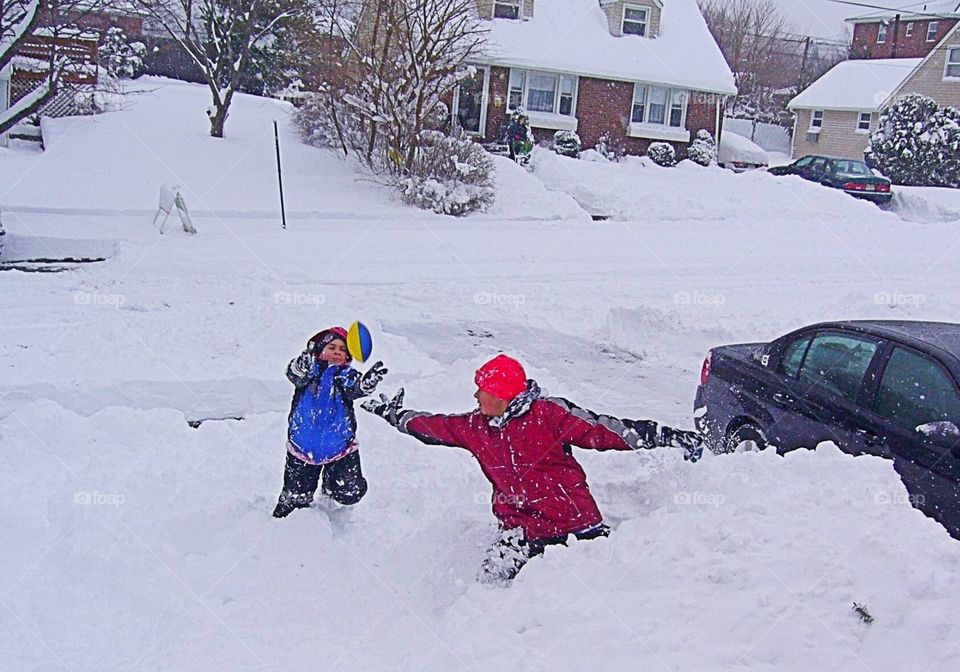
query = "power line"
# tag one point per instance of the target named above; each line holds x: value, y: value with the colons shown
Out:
x: 896, y: 10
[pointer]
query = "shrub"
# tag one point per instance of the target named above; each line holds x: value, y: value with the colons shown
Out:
x: 120, y: 58
x: 704, y: 149
x: 450, y: 175
x: 567, y: 143
x: 663, y: 154
x: 611, y: 146
x: 917, y: 143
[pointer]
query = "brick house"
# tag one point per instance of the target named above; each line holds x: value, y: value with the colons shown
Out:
x: 895, y: 52
x: 640, y: 70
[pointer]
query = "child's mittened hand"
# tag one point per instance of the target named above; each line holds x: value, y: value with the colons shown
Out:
x: 372, y: 377
x: 388, y: 409
x: 304, y: 363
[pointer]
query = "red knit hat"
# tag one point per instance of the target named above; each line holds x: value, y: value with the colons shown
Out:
x: 320, y: 340
x: 503, y: 377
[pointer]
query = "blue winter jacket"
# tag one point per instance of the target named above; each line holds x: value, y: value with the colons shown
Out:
x: 322, y: 425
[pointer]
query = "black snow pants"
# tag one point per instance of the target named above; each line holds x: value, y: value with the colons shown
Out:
x: 342, y: 480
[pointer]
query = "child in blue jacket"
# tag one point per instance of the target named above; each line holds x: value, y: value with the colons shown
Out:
x: 322, y: 427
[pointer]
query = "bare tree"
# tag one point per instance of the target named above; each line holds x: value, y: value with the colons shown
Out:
x: 21, y: 22
x: 402, y: 59
x: 222, y: 36
x: 754, y: 37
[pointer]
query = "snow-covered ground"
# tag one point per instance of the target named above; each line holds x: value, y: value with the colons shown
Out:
x: 134, y: 542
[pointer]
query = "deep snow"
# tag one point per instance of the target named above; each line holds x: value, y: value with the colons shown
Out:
x: 131, y: 541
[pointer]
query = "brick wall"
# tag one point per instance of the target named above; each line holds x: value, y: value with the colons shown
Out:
x: 916, y: 46
x: 603, y: 106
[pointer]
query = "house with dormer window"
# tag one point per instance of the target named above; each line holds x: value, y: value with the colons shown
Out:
x: 641, y: 71
x: 908, y: 32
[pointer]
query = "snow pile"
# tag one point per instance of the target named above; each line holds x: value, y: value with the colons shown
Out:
x: 857, y: 85
x: 161, y: 136
x: 736, y: 148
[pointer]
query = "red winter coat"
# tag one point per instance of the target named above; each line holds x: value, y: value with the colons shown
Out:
x: 537, y: 483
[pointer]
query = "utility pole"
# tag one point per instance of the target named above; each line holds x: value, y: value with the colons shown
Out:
x: 803, y: 64
x: 896, y: 32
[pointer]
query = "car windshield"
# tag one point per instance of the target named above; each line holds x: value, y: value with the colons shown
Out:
x: 852, y: 168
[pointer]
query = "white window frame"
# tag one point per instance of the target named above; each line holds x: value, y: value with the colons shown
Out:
x: 483, y: 102
x: 910, y: 29
x: 932, y: 29
x: 815, y: 127
x: 525, y: 76
x: 952, y: 61
x: 508, y: 3
x: 656, y: 130
x: 624, y: 20
x: 860, y: 128
x: 882, y: 28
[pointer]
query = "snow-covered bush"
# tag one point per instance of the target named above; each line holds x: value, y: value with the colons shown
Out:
x: 449, y: 175
x: 663, y: 154
x: 567, y: 143
x: 917, y: 142
x: 121, y: 58
x: 703, y: 150
x: 611, y: 146
x: 314, y: 121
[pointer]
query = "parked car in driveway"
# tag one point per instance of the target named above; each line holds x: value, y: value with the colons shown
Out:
x: 884, y: 388
x: 851, y: 176
x: 740, y: 154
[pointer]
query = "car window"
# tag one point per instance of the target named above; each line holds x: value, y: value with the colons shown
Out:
x: 818, y: 165
x: 837, y: 363
x: 800, y: 163
x: 915, y: 390
x: 793, y: 356
x: 852, y: 168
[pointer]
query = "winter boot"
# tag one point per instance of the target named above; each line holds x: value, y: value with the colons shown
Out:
x: 504, y: 558
x: 289, y: 501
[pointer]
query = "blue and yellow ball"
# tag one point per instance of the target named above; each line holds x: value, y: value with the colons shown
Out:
x: 359, y: 342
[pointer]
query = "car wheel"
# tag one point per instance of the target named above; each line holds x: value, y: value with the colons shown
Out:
x: 745, y: 438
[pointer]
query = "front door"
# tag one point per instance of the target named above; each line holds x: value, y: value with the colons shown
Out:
x: 470, y: 103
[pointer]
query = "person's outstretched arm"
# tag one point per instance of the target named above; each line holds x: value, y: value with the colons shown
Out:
x: 585, y: 429
x: 429, y: 428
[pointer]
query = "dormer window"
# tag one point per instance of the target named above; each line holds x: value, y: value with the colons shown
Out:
x: 882, y: 33
x: 635, y: 20
x: 507, y: 9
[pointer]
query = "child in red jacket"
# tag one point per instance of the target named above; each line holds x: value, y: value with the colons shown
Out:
x: 523, y: 444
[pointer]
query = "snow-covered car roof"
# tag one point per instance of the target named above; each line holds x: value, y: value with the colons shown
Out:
x: 737, y: 148
x: 573, y: 36
x: 932, y: 9
x: 861, y: 85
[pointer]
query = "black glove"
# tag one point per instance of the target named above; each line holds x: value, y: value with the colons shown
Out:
x: 372, y: 378
x: 388, y: 409
x: 691, y: 442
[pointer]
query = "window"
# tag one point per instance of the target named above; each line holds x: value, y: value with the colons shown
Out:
x: 802, y: 163
x: 507, y: 9
x: 932, y: 30
x: 837, y: 363
x: 953, y: 63
x: 639, y: 104
x: 882, y: 33
x: 863, y: 121
x: 910, y: 29
x: 915, y: 390
x: 816, y: 120
x: 634, y: 20
x: 546, y: 92
x: 849, y: 167
x: 792, y: 357
x: 659, y: 105
x: 518, y: 80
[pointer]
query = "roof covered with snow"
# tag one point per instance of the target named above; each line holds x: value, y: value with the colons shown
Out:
x: 856, y: 85
x: 931, y: 9
x: 574, y: 36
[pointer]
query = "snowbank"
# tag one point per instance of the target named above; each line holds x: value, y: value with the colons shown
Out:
x: 118, y: 161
